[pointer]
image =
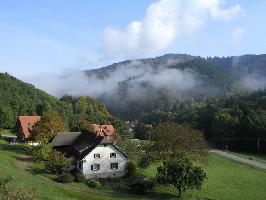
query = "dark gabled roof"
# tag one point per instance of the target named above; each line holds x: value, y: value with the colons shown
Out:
x: 80, y: 144
x: 121, y: 150
x: 85, y: 143
x: 65, y: 139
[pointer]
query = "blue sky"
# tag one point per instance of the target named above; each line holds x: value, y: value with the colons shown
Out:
x: 55, y: 36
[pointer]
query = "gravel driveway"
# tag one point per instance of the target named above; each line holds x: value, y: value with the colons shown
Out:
x: 254, y: 163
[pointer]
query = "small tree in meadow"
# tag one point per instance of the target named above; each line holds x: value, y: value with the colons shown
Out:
x: 181, y: 174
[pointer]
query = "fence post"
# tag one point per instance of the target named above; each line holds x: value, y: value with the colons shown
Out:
x: 258, y: 145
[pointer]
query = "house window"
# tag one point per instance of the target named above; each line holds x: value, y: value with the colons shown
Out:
x: 114, y: 165
x: 95, y: 167
x: 97, y: 155
x: 112, y: 155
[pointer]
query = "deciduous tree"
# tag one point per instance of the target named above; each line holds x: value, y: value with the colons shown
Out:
x: 181, y: 174
x: 51, y: 123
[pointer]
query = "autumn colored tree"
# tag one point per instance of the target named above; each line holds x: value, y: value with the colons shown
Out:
x: 83, y: 124
x: 50, y: 124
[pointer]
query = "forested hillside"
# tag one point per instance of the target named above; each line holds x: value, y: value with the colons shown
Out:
x: 236, y: 121
x: 242, y: 64
x: 144, y: 85
x: 19, y: 98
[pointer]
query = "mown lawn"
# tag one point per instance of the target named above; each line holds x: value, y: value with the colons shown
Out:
x: 227, y: 179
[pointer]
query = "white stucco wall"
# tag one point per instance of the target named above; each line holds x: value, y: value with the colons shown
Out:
x: 105, y: 163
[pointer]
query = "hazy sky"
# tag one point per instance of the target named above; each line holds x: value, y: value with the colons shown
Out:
x: 54, y: 36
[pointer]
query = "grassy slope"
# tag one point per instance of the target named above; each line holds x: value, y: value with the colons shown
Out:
x: 10, y: 166
x: 228, y: 179
x: 6, y: 132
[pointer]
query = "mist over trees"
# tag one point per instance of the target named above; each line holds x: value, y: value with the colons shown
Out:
x: 133, y: 88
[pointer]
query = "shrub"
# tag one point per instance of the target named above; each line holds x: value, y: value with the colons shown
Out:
x: 79, y: 177
x: 93, y: 183
x: 66, y: 178
x: 42, y: 152
x: 141, y: 185
x: 145, y: 160
x: 131, y: 169
x: 58, y: 163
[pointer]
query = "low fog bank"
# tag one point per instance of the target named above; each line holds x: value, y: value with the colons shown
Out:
x: 253, y: 82
x: 135, y: 79
x: 137, y: 76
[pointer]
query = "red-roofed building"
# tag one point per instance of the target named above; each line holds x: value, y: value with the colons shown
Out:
x: 107, y: 131
x: 25, y: 124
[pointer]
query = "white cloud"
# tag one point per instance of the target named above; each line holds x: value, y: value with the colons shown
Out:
x: 165, y: 20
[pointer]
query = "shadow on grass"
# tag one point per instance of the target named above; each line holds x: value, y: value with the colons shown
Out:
x: 16, y: 148
x: 119, y: 186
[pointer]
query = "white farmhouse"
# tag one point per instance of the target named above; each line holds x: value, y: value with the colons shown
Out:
x: 94, y: 156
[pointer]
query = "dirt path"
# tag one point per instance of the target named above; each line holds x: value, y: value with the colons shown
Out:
x: 23, y: 161
x: 254, y: 163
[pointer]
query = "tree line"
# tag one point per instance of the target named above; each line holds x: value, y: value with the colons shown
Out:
x: 235, y: 121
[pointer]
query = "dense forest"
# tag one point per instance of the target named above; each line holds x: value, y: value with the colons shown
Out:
x: 233, y: 121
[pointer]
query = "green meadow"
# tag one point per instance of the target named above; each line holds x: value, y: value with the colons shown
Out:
x: 227, y: 179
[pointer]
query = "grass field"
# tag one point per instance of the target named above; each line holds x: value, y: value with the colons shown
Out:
x: 227, y: 179
x: 11, y: 165
x: 6, y: 132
